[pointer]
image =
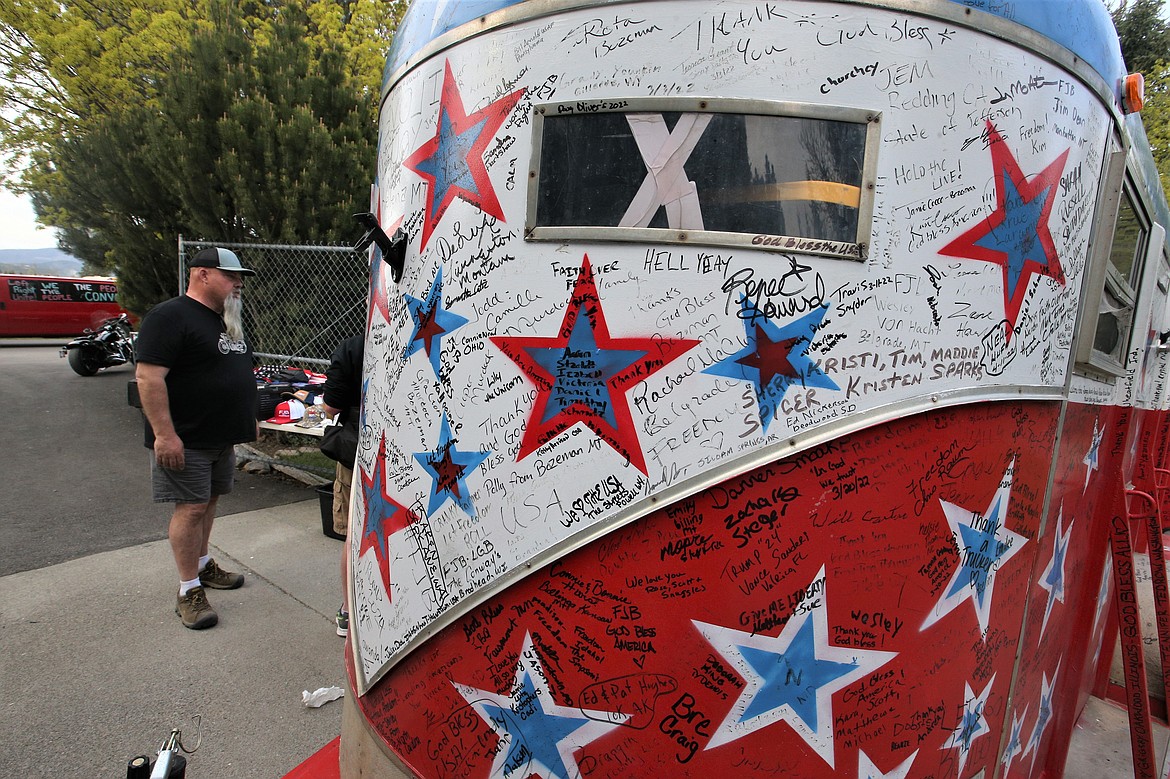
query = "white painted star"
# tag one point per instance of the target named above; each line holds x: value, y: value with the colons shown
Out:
x: 972, y: 722
x: 867, y: 770
x: 791, y: 677
x: 1014, y: 745
x: 985, y: 545
x: 1102, y: 602
x: 1052, y: 579
x: 1043, y: 716
x: 536, y: 734
x: 439, y: 15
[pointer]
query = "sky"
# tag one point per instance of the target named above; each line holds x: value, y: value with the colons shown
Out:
x: 18, y: 227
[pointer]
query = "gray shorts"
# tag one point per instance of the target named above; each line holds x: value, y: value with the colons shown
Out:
x: 206, y: 472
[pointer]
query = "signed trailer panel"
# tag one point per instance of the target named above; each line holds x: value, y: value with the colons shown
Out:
x: 720, y: 417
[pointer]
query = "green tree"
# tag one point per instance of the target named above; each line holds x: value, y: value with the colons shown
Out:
x: 1144, y: 34
x: 1156, y: 118
x: 132, y: 121
x: 112, y: 210
x: 265, y: 141
x: 363, y: 28
x: 66, y: 62
x: 255, y: 133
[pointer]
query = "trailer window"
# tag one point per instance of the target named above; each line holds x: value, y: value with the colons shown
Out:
x: 631, y: 170
x: 1115, y: 308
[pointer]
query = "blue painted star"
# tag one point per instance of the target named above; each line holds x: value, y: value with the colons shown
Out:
x: 783, y: 676
x: 774, y: 359
x: 791, y: 677
x: 1052, y: 579
x: 972, y: 722
x: 449, y: 468
x: 536, y: 734
x: 1102, y: 604
x: 534, y: 741
x: 583, y: 372
x: 1044, y: 715
x: 985, y: 545
x: 431, y: 322
x: 1014, y: 746
x: 1015, y: 236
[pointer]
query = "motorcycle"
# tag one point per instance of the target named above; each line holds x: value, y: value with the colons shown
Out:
x: 111, y: 344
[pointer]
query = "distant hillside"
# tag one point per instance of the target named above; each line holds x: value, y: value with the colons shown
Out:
x: 39, y: 262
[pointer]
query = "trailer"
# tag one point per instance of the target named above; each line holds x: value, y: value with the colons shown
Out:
x: 766, y: 389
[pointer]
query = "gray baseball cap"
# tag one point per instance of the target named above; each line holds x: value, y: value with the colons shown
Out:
x: 223, y: 259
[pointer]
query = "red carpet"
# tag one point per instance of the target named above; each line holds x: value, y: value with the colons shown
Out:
x: 324, y: 764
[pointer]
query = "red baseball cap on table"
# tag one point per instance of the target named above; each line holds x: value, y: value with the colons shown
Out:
x: 287, y: 411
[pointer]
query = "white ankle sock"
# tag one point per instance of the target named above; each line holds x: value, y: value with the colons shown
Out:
x: 203, y: 561
x: 187, y: 586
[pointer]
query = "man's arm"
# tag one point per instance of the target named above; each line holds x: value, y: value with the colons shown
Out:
x: 156, y: 404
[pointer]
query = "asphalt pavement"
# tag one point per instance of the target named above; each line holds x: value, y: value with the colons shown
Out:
x: 76, y: 477
x: 96, y: 666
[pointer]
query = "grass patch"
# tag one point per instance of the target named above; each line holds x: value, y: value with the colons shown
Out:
x: 311, y: 461
x: 298, y: 450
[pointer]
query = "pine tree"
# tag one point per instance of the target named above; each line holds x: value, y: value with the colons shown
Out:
x: 256, y: 135
x: 1144, y: 34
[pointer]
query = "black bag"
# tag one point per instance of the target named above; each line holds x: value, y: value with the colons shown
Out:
x: 340, y: 441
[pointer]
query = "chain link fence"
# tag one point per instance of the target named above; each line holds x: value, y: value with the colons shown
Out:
x: 302, y: 302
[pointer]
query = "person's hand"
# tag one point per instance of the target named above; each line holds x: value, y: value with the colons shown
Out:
x: 168, y: 452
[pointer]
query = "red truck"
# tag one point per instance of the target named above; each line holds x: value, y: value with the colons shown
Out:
x: 53, y: 305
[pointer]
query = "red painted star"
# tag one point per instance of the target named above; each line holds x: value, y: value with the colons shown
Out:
x: 1015, y: 235
x: 384, y: 516
x: 428, y: 328
x: 452, y: 162
x: 771, y: 358
x: 582, y: 374
x: 450, y: 473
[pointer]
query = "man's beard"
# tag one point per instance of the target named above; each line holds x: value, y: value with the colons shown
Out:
x: 233, y: 317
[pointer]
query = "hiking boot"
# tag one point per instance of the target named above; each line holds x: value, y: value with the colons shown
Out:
x: 195, y: 611
x: 342, y: 622
x: 218, y: 579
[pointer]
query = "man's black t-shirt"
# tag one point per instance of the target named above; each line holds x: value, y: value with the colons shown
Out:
x: 211, y: 386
